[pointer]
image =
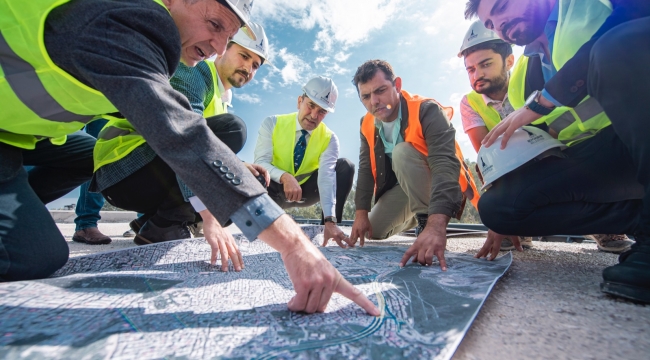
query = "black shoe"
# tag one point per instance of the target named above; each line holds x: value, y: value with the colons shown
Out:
x: 151, y: 234
x: 630, y: 278
x: 136, y: 225
x: 422, y: 223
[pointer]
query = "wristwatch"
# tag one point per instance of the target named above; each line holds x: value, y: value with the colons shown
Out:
x: 331, y: 219
x: 532, y: 103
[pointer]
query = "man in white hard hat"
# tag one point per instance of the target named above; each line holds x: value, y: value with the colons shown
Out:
x: 488, y: 61
x: 208, y: 87
x: 594, y: 99
x: 71, y: 61
x: 410, y: 162
x: 302, y: 155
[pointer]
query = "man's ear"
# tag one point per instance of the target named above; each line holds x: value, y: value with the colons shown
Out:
x: 300, y: 99
x: 510, y: 62
x: 398, y: 84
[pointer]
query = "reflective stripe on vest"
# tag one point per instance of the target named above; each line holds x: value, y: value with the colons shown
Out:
x: 216, y: 105
x: 117, y: 139
x: 413, y: 135
x: 489, y: 115
x: 578, y: 21
x: 39, y: 99
x: 284, y: 142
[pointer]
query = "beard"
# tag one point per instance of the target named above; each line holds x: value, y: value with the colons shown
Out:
x: 533, y: 26
x: 495, y: 85
x: 234, y: 82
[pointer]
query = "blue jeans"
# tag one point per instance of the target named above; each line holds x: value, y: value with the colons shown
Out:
x: 89, y: 204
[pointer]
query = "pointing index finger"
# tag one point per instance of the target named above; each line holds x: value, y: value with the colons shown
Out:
x: 346, y: 289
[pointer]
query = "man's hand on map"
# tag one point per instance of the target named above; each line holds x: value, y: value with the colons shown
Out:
x: 333, y: 232
x: 221, y: 241
x: 432, y: 241
x: 313, y: 276
x: 492, y: 245
x: 360, y: 228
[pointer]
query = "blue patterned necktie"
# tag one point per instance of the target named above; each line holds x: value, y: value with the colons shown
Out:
x: 299, y: 150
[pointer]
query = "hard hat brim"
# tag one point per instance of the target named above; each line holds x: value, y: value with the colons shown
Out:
x: 258, y: 53
x: 320, y: 103
x: 246, y: 28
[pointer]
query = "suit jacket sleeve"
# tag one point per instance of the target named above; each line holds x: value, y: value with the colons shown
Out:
x: 569, y: 85
x: 128, y: 52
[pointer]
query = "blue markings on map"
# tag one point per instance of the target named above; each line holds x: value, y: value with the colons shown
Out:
x: 167, y: 301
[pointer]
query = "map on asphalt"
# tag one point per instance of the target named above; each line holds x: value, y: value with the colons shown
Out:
x: 167, y: 301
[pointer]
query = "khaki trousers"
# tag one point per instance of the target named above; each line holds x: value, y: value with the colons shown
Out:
x: 395, y: 211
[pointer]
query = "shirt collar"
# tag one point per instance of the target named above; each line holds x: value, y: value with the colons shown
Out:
x: 299, y: 127
x: 226, y: 96
x: 398, y: 119
x: 488, y: 100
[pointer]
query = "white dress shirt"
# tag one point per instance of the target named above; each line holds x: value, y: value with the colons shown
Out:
x: 326, y: 163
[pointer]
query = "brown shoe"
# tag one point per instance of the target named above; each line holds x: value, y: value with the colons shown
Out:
x: 611, y: 243
x: 91, y: 236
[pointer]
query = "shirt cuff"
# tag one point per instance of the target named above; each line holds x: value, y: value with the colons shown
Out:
x: 276, y: 174
x: 256, y: 215
x: 197, y: 204
x: 548, y: 97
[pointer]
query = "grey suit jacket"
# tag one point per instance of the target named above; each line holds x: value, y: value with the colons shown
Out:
x: 128, y: 50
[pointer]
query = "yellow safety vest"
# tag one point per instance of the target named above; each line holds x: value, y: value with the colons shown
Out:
x: 216, y: 105
x: 489, y: 115
x: 39, y: 99
x: 284, y: 142
x: 118, y: 138
x: 578, y: 21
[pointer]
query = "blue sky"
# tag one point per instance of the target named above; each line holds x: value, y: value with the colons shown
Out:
x: 420, y: 38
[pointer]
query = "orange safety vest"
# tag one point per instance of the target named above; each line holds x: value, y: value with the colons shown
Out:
x: 413, y: 135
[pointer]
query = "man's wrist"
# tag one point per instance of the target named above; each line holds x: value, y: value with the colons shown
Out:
x: 329, y: 220
x: 437, y: 223
x: 545, y: 102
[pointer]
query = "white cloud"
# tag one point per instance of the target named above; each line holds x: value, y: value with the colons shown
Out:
x: 266, y: 84
x: 454, y: 63
x: 341, y: 56
x: 249, y: 98
x: 342, y: 21
x: 321, y: 60
x: 295, y: 69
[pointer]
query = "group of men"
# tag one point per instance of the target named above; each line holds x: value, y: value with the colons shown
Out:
x: 167, y: 148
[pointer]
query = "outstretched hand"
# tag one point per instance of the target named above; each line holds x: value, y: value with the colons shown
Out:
x: 221, y: 242
x: 517, y: 119
x: 313, y: 276
x: 492, y: 245
x: 333, y: 232
x: 431, y: 242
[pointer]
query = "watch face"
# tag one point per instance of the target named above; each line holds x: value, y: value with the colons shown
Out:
x: 531, y: 98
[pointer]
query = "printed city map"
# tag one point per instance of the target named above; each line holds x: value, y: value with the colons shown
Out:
x: 167, y: 301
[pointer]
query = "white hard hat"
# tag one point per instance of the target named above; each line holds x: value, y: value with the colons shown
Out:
x: 322, y: 91
x: 259, y: 46
x: 524, y: 145
x: 242, y: 8
x: 477, y: 34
